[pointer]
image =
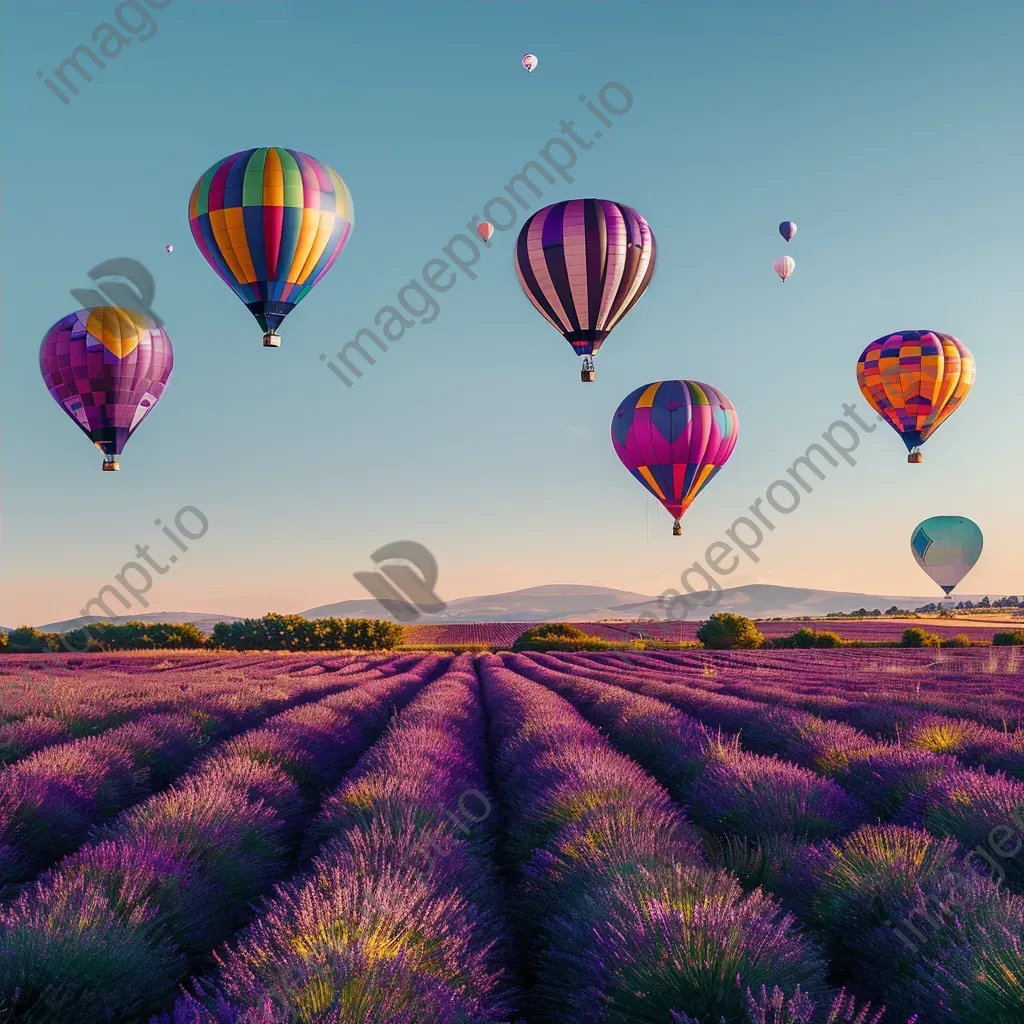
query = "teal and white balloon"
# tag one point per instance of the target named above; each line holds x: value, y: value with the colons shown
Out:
x: 947, y: 548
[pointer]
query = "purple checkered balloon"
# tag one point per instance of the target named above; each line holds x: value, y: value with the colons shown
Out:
x: 106, y: 367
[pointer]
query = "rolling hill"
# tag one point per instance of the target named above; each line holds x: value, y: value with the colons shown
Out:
x: 576, y: 603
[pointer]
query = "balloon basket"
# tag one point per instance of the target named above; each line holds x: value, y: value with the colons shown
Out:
x: 587, y: 376
x: 915, y: 458
x: 677, y: 529
x: 271, y: 340
x: 111, y: 466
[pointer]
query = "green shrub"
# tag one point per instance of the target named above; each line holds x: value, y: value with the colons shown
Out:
x: 808, y: 638
x: 725, y: 631
x: 918, y: 637
x: 553, y: 636
x: 963, y: 640
x: 1013, y: 638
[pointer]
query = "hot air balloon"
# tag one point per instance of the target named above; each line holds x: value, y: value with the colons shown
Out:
x: 784, y: 266
x: 787, y: 229
x: 107, y: 368
x: 915, y: 380
x: 584, y: 263
x: 485, y: 230
x: 530, y: 61
x: 168, y: 248
x: 947, y: 548
x: 674, y: 436
x: 271, y: 222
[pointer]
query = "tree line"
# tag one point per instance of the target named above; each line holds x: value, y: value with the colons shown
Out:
x: 272, y: 632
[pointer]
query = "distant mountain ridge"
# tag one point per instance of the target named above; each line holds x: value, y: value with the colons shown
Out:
x: 575, y: 603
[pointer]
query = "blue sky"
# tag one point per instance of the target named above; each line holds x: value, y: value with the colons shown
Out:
x: 887, y: 129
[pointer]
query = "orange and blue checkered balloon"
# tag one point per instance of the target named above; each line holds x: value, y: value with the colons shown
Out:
x: 916, y: 380
x: 674, y: 436
x: 271, y: 222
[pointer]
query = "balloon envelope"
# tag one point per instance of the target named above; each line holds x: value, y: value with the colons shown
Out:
x: 916, y: 380
x: 784, y: 266
x: 787, y: 229
x: 106, y: 367
x: 584, y: 264
x: 674, y: 436
x: 485, y: 229
x: 530, y: 61
x: 168, y: 248
x: 271, y: 222
x: 947, y: 548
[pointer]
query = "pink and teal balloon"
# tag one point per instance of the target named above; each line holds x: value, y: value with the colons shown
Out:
x: 106, y: 367
x: 271, y: 222
x: 674, y: 436
x: 947, y: 548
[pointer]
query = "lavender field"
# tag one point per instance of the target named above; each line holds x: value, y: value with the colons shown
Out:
x: 753, y: 837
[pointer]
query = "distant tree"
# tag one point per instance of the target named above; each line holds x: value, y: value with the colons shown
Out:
x: 28, y: 640
x: 960, y: 640
x: 726, y: 631
x: 1012, y: 638
x: 968, y: 604
x: 960, y: 606
x: 917, y: 637
x: 552, y: 634
x: 984, y: 602
x: 808, y: 638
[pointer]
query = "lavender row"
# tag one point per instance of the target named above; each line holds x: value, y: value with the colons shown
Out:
x: 111, y: 931
x: 901, y: 680
x: 982, y: 811
x: 622, y: 918
x: 50, y: 800
x: 817, y: 673
x: 868, y: 896
x: 86, y: 708
x: 395, y: 919
x: 973, y: 744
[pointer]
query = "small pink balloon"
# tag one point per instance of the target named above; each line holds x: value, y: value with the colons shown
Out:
x: 486, y: 230
x: 530, y: 61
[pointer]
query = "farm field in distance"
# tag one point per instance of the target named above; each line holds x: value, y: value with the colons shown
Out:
x: 261, y: 838
x: 505, y: 633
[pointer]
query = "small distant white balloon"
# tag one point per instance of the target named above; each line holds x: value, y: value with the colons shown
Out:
x: 168, y: 248
x: 784, y: 266
x: 530, y: 61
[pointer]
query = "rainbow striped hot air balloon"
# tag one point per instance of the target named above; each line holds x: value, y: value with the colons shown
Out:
x: 916, y: 380
x: 271, y: 222
x: 674, y: 436
x: 106, y: 367
x: 584, y: 264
